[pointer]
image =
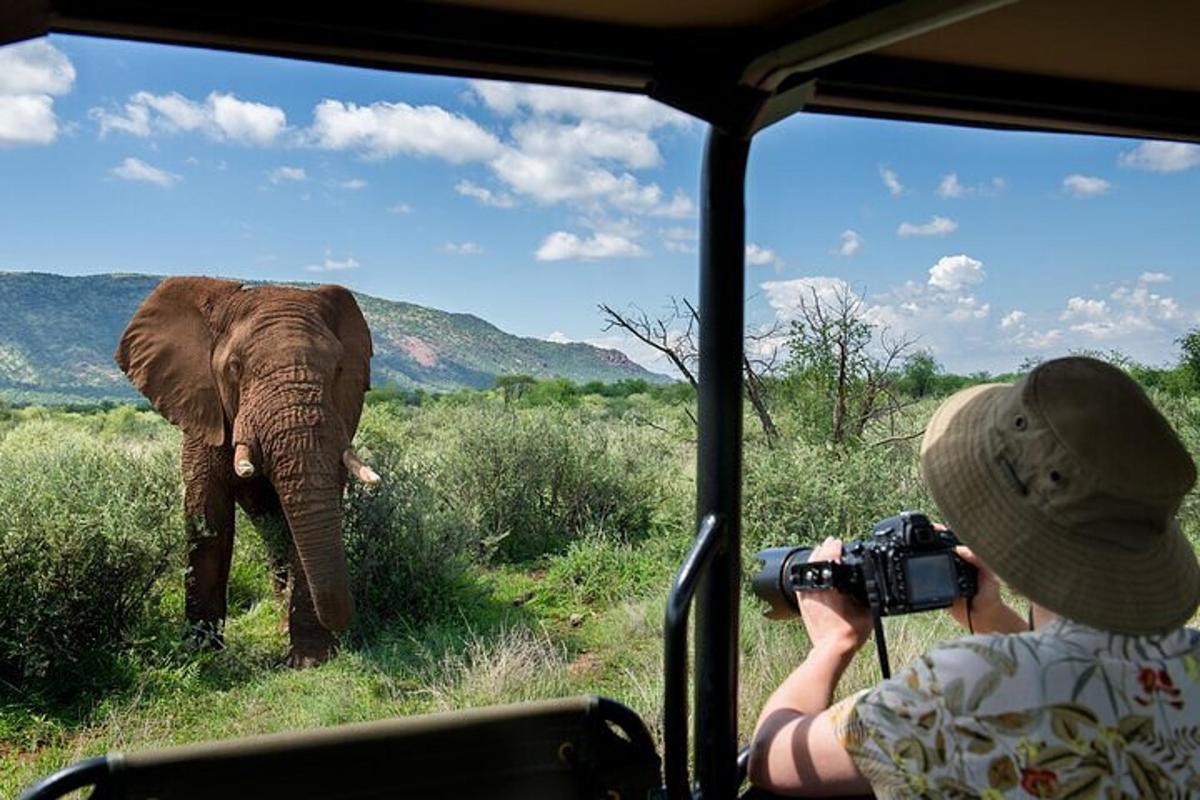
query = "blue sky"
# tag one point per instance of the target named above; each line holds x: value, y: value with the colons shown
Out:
x: 528, y: 206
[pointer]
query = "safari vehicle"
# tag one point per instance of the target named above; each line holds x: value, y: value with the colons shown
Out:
x: 1105, y: 67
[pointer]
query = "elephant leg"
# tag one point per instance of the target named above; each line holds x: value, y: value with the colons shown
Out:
x: 312, y: 643
x: 208, y: 515
x: 258, y: 499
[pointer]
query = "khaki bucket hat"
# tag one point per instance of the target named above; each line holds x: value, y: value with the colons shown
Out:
x: 1066, y: 484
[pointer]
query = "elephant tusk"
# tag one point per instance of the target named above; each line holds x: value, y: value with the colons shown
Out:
x: 357, y: 468
x: 242, y: 464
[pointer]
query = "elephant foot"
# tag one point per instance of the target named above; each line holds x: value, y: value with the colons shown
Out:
x: 204, y: 635
x: 303, y: 656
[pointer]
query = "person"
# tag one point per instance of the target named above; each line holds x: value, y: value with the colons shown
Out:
x: 1065, y: 486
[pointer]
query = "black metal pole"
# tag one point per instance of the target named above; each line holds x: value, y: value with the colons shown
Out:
x: 719, y: 458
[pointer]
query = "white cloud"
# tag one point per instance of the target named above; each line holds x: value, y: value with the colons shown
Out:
x: 462, y: 248
x: 220, y: 117
x: 950, y: 187
x: 968, y: 308
x: 1012, y: 319
x: 35, y: 67
x: 484, y: 195
x: 852, y: 242
x: 1161, y: 156
x: 383, y: 130
x: 1081, y: 308
x: 759, y: 256
x: 679, y: 239
x: 331, y: 264
x: 938, y: 226
x: 952, y: 273
x: 244, y: 121
x: 588, y: 139
x: 353, y: 185
x: 134, y: 169
x: 1078, y: 185
x: 401, y: 208
x: 786, y: 297
x: 285, y: 174
x: 31, y: 74
x: 562, y: 245
x: 623, y: 110
x: 558, y: 337
x: 1154, y: 277
x: 892, y: 181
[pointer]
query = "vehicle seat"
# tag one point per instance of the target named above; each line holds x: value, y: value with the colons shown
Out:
x: 584, y: 747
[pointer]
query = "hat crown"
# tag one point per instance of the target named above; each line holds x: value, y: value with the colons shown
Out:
x: 1085, y: 442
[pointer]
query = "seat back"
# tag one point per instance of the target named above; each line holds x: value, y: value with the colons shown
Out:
x: 584, y: 747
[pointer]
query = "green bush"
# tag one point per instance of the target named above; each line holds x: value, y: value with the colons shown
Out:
x: 87, y: 528
x: 407, y: 556
x: 527, y: 483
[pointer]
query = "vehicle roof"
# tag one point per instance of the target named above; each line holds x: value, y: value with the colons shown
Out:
x: 1097, y: 66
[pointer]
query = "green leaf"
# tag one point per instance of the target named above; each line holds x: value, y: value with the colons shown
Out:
x: 1084, y: 785
x: 986, y: 685
x: 1082, y: 681
x: 1135, y: 727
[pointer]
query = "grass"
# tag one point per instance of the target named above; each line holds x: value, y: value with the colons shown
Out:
x: 568, y: 606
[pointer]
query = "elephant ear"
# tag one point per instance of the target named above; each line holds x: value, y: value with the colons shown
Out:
x: 167, y: 353
x: 347, y: 323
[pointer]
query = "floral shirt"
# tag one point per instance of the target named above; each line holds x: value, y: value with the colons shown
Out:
x: 1064, y: 712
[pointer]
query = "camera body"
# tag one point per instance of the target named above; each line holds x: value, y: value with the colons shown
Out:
x: 905, y: 566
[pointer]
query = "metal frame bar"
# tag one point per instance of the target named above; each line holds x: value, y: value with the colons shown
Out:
x: 675, y: 658
x: 719, y: 457
x: 93, y: 772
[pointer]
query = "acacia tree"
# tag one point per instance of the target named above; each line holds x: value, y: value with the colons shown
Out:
x: 845, y: 362
x: 674, y: 335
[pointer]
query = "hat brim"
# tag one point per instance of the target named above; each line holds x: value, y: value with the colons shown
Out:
x: 1149, y: 590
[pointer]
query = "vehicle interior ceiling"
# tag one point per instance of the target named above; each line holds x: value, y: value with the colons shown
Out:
x: 1095, y: 66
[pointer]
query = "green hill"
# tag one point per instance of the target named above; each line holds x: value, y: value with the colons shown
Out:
x: 58, y: 334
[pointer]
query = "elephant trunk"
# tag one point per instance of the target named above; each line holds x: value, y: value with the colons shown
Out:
x: 302, y: 445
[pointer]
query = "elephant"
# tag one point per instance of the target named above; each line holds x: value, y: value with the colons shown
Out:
x: 266, y: 384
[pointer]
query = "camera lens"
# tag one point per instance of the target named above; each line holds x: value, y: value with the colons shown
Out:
x: 772, y: 583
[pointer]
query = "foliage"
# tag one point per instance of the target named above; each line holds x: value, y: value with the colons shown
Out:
x: 840, y: 366
x: 527, y: 483
x: 407, y: 554
x: 87, y: 529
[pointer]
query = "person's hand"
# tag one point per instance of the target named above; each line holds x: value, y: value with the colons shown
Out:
x: 988, y: 610
x: 834, y: 621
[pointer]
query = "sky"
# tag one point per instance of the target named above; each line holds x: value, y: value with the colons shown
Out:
x: 529, y: 206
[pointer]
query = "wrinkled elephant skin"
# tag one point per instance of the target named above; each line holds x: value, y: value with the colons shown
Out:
x: 267, y: 385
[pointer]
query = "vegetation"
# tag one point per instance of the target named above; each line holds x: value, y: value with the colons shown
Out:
x: 520, y: 547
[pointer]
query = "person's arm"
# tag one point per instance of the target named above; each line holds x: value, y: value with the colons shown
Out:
x: 795, y: 749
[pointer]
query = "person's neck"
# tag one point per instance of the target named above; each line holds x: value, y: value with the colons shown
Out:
x: 1041, y: 617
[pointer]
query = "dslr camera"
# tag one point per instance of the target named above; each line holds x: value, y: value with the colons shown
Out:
x: 905, y: 566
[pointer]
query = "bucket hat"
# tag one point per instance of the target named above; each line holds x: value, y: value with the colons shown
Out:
x: 1067, y: 484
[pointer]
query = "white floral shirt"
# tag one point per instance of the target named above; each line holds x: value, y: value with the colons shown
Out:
x: 1064, y: 712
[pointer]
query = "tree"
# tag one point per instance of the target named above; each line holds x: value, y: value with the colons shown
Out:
x: 919, y: 376
x: 512, y: 387
x: 1189, y: 346
x: 845, y: 362
x: 674, y: 335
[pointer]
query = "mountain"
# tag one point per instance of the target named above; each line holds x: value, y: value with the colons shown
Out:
x: 58, y: 334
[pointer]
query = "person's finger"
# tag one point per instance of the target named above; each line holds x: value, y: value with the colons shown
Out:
x: 967, y: 555
x: 939, y: 526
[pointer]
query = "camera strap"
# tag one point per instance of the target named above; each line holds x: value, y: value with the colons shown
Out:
x: 875, y: 602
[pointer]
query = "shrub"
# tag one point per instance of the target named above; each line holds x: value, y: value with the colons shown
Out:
x: 528, y: 483
x: 407, y: 558
x: 87, y: 528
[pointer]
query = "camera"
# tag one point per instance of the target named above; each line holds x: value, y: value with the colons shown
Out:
x: 906, y: 565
